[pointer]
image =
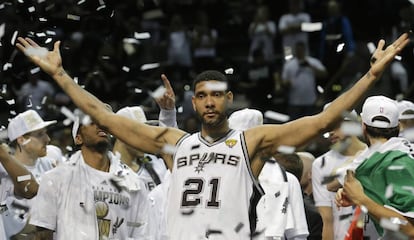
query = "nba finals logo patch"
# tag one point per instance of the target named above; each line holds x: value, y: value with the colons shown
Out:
x: 231, y: 142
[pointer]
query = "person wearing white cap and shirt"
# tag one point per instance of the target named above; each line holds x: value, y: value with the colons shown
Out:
x: 344, y: 149
x: 284, y: 215
x: 28, y: 138
x: 93, y: 196
x: 385, y: 172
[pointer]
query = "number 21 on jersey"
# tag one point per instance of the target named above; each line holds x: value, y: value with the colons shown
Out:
x: 195, y: 187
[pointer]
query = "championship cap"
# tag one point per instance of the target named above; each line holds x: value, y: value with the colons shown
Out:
x: 380, y: 106
x: 245, y: 119
x: 405, y: 109
x: 26, y: 122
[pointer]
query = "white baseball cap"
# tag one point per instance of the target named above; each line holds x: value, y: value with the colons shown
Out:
x: 26, y: 122
x: 380, y: 106
x: 134, y: 113
x: 245, y: 119
x: 405, y: 109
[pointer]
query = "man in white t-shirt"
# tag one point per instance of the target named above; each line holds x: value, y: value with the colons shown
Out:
x: 344, y: 149
x: 94, y: 195
x: 28, y: 138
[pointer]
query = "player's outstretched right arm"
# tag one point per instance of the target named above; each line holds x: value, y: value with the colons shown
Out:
x: 146, y: 138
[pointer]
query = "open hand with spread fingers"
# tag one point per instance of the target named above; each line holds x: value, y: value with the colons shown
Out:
x: 382, y: 57
x: 49, y: 61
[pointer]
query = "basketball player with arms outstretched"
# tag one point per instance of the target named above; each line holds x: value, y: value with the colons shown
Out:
x: 213, y: 171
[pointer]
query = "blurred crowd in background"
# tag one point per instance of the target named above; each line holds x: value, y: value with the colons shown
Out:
x: 118, y: 49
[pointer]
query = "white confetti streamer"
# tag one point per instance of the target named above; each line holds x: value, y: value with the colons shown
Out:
x: 340, y: 47
x: 26, y: 141
x: 276, y: 116
x: 149, y: 66
x: 350, y: 128
x: 138, y: 90
x: 143, y: 35
x: 80, y: 2
x: 68, y: 113
x: 42, y: 19
x: 41, y: 34
x: 311, y: 27
x: 100, y: 7
x: 158, y: 92
x: 320, y: 89
x: 286, y: 149
x: 389, y: 191
x: 125, y: 69
x: 180, y: 109
x: 39, y: 51
x: 169, y: 149
x: 31, y: 9
x: 218, y: 86
x: 13, y: 39
x: 2, y: 28
x: 229, y: 71
x: 11, y: 101
x: 73, y: 17
x: 51, y: 33
x: 34, y: 70
x: 24, y: 178
x: 7, y: 66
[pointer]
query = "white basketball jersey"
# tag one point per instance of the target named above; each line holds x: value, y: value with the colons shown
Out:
x: 212, y: 189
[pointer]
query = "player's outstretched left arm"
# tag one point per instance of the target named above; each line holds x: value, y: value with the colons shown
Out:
x: 297, y: 133
x: 146, y: 138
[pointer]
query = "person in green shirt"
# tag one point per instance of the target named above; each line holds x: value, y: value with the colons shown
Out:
x: 384, y: 178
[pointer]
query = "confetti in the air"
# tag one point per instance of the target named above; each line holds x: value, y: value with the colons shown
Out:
x: 149, y: 66
x: 13, y: 39
x: 35, y: 70
x: 2, y: 27
x: 100, y: 7
x: 138, y: 90
x: 286, y: 149
x: 24, y: 178
x: 48, y: 40
x: 31, y: 9
x: 159, y: 92
x: 73, y: 17
x: 311, y: 27
x: 340, y: 47
x: 351, y: 128
x: 25, y: 142
x: 38, y: 51
x: 42, y: 19
x: 125, y: 69
x: 11, y: 101
x: 389, y: 191
x: 80, y: 2
x: 229, y: 71
x: 168, y: 149
x: 41, y: 34
x: 7, y: 66
x: 388, y: 224
x: 276, y: 116
x: 320, y: 89
x: 180, y: 109
x: 68, y: 113
x: 219, y: 86
x: 143, y: 35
